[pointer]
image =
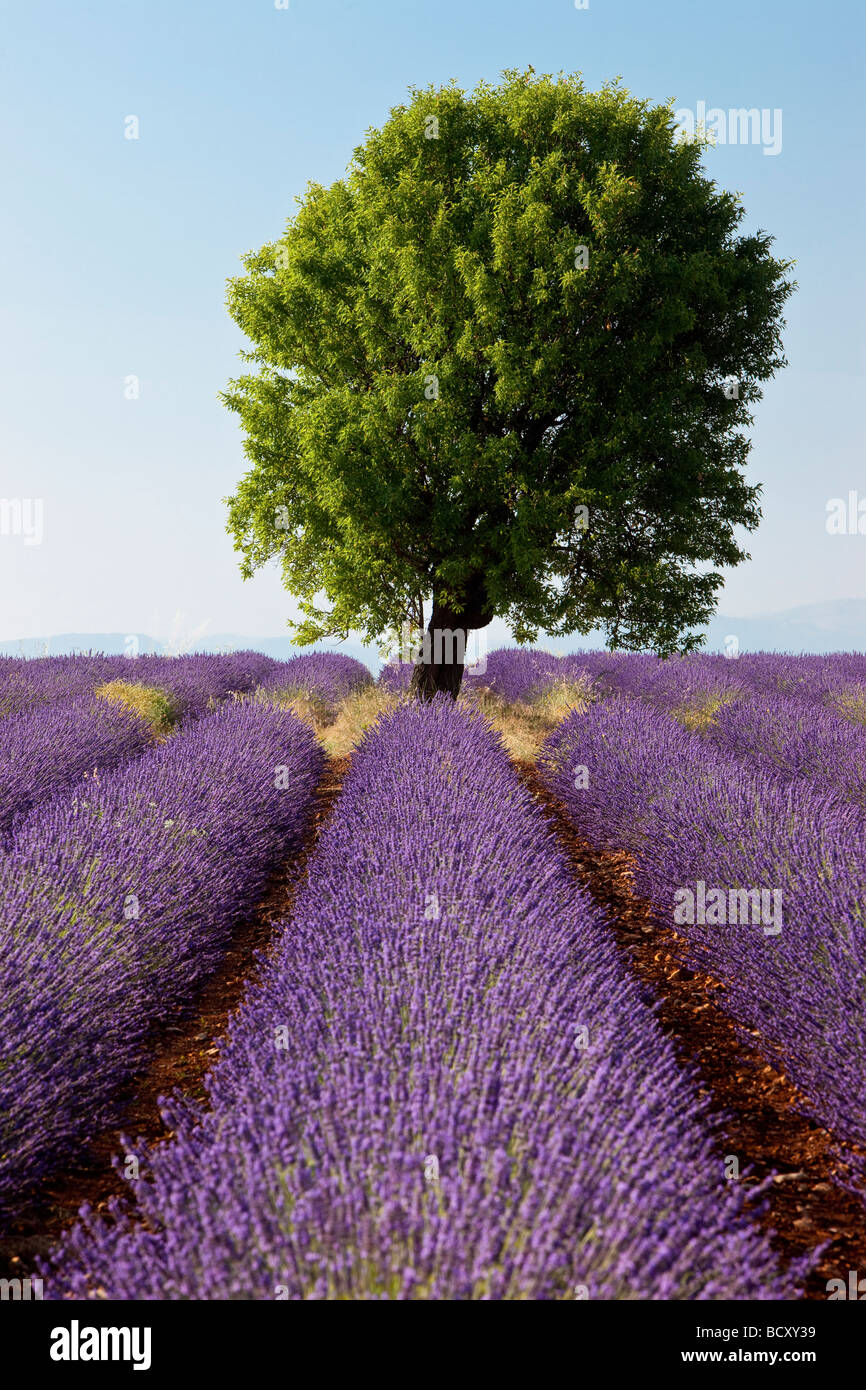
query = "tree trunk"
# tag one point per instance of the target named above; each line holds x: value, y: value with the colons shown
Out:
x: 440, y: 669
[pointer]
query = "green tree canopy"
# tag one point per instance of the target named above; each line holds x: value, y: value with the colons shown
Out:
x: 506, y: 365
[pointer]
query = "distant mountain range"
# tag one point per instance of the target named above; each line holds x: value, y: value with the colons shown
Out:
x: 839, y: 625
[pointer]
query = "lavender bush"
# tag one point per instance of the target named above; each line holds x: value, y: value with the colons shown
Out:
x: 47, y: 750
x: 47, y: 747
x: 26, y: 682
x: 837, y: 681
x: 396, y: 676
x: 795, y: 738
x: 325, y: 676
x: 195, y: 682
x: 698, y: 820
x: 523, y: 674
x: 118, y: 902
x: 446, y: 1085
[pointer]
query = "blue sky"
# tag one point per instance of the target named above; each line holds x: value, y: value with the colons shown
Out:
x: 115, y: 254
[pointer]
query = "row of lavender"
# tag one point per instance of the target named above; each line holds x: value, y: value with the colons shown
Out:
x: 672, y: 681
x: 328, y: 677
x: 795, y: 717
x: 445, y: 1085
x: 763, y: 877
x: 798, y: 718
x: 59, y: 733
x: 521, y: 673
x: 118, y: 901
x: 193, y: 683
x: 45, y: 750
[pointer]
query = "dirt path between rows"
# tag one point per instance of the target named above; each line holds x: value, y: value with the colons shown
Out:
x: 755, y: 1102
x: 183, y: 1052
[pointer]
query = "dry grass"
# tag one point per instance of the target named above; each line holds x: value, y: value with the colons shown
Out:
x: 306, y: 704
x: 851, y: 702
x: 338, y: 727
x: 524, y: 725
x: 150, y: 703
x: 700, y: 712
x: 354, y: 716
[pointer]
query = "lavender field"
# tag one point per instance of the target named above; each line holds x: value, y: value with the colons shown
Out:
x: 565, y: 998
x: 432, y: 680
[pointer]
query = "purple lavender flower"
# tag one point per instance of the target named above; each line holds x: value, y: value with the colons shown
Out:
x: 329, y: 676
x: 446, y: 1085
x: 785, y: 860
x: 47, y: 750
x: 118, y: 901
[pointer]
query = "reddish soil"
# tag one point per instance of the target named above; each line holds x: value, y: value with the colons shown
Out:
x: 183, y: 1052
x: 756, y: 1105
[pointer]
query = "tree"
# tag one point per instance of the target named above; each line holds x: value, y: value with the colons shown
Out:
x: 505, y: 365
